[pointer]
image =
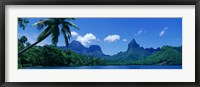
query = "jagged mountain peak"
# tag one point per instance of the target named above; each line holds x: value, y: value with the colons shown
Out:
x: 133, y: 44
x: 94, y: 50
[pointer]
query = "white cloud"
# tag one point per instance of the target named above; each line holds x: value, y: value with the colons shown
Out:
x: 74, y: 34
x: 124, y: 40
x: 165, y: 28
x: 138, y: 33
x: 163, y: 31
x: 112, y: 38
x: 86, y: 39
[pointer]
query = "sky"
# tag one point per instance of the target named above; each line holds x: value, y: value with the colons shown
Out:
x: 114, y: 34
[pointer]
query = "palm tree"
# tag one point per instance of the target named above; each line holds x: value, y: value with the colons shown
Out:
x: 23, y: 40
x: 53, y: 27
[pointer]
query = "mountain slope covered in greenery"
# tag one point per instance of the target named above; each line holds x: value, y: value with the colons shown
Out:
x: 50, y: 55
x: 168, y: 55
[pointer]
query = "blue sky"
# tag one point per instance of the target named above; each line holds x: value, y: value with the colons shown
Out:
x: 114, y: 34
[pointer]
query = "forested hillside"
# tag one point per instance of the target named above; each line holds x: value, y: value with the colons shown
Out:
x: 50, y: 55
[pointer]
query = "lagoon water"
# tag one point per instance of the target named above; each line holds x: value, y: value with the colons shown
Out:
x: 108, y: 67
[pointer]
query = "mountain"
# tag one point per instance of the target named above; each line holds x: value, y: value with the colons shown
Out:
x: 168, y: 55
x: 133, y: 45
x: 93, y: 50
x: 77, y: 47
x: 134, y: 52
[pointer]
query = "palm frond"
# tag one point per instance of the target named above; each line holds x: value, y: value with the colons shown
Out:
x: 65, y: 37
x: 70, y: 18
x: 44, y: 33
x: 71, y: 24
x: 67, y: 30
x: 55, y: 34
x: 42, y: 23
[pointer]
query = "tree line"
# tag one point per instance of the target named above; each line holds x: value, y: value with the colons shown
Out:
x: 50, y: 55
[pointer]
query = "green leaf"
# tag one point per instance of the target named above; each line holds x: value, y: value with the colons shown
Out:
x: 55, y: 35
x: 70, y: 18
x: 47, y: 30
x: 71, y: 24
x: 67, y: 30
x: 42, y: 23
x: 65, y: 36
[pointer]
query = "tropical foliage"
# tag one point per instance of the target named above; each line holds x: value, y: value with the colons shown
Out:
x: 50, y: 55
x: 22, y: 22
x: 166, y: 56
x: 53, y: 27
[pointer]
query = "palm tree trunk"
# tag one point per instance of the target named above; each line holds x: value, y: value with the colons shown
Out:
x: 22, y: 51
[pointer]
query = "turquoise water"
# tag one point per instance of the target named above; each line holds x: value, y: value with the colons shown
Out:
x: 108, y: 67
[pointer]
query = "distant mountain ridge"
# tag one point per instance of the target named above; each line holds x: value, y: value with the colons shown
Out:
x: 77, y: 47
x: 134, y: 51
x: 93, y: 50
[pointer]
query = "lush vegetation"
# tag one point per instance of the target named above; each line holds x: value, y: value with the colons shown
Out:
x: 51, y: 26
x: 50, y: 55
x: 166, y: 56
